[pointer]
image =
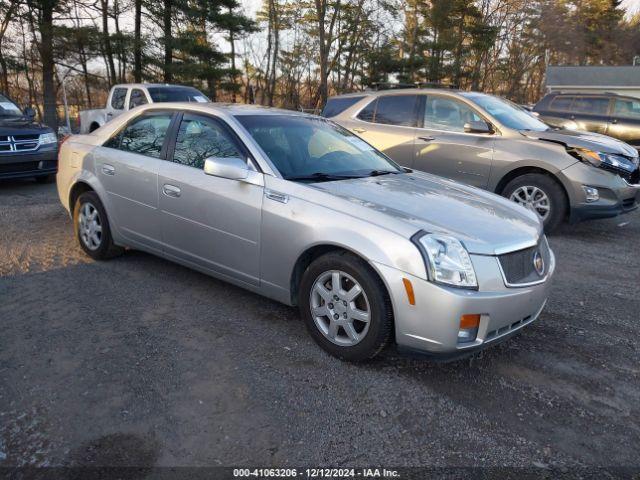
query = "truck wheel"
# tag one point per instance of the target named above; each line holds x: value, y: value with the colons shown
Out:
x: 346, y: 307
x: 91, y: 225
x: 541, y: 194
x: 93, y: 127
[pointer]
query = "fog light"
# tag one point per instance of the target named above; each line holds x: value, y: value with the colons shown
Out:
x: 468, y: 328
x: 591, y: 193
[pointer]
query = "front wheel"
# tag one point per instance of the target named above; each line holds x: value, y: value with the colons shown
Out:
x: 345, y: 306
x: 92, y: 227
x: 540, y: 194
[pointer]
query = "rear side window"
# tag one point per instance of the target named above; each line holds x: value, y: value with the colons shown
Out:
x: 137, y: 98
x: 392, y: 110
x: 561, y: 103
x: 336, y: 106
x: 590, y: 105
x: 145, y: 135
x: 118, y: 97
x: 627, y: 107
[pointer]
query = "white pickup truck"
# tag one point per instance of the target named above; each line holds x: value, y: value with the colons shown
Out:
x: 126, y: 96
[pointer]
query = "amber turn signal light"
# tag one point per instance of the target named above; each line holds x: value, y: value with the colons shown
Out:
x: 409, y: 289
x: 469, y: 321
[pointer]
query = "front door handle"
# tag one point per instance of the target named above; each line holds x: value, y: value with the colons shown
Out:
x: 108, y: 169
x: 171, y: 190
x: 358, y: 130
x: 426, y: 138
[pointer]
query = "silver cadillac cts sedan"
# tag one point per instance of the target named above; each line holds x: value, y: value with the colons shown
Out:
x: 298, y: 209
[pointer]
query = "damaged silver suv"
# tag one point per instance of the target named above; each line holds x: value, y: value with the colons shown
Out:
x: 488, y: 142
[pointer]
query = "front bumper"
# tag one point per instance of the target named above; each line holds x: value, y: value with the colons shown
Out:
x: 41, y: 162
x: 616, y: 195
x: 431, y: 325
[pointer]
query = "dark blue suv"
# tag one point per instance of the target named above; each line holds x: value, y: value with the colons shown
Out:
x: 27, y: 148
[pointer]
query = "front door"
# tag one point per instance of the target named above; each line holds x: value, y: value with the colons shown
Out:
x: 442, y: 147
x: 209, y: 221
x: 625, y: 121
x: 127, y: 166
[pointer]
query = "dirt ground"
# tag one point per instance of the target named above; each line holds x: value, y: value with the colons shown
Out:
x: 138, y: 361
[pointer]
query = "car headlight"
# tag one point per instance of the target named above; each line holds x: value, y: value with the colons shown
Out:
x: 447, y: 260
x: 612, y: 160
x: 46, y: 138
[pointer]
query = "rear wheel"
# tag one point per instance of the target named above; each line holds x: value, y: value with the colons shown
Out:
x: 345, y: 306
x: 92, y: 227
x: 540, y: 194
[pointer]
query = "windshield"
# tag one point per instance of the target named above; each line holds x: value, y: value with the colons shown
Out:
x: 312, y: 147
x: 507, y: 113
x: 176, y: 94
x: 8, y: 108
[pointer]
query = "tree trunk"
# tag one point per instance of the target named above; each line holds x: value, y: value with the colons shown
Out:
x: 137, y: 42
x: 106, y: 40
x: 48, y: 65
x: 168, y: 42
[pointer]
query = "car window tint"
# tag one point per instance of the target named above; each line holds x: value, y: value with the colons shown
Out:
x: 628, y: 108
x: 590, y: 105
x: 368, y: 112
x: 137, y: 98
x: 335, y: 106
x: 200, y: 138
x: 118, y: 97
x: 447, y: 114
x: 561, y: 103
x: 397, y: 110
x: 144, y: 135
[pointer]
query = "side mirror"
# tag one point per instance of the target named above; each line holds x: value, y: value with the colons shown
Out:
x: 477, y: 126
x: 30, y: 112
x: 232, y: 168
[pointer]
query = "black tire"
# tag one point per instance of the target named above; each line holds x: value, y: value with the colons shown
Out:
x: 551, y: 188
x: 105, y: 248
x: 46, y: 179
x: 380, y: 325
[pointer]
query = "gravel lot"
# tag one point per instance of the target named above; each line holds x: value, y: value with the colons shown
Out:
x: 138, y: 361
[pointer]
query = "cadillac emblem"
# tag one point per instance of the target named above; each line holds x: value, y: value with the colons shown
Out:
x: 538, y: 263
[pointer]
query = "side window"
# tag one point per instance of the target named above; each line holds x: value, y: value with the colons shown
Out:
x: 336, y: 106
x: 200, y: 138
x: 368, y: 112
x: 561, y: 103
x: 446, y: 114
x: 118, y: 97
x: 397, y: 110
x: 137, y: 98
x: 144, y: 135
x: 627, y: 107
x: 591, y: 105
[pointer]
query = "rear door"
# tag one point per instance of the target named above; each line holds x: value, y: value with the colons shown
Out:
x: 442, y: 147
x: 209, y: 221
x: 625, y: 120
x: 127, y: 166
x: 388, y: 123
x: 591, y: 113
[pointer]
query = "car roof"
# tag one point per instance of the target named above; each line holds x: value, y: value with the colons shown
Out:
x: 153, y: 85
x: 393, y: 91
x: 234, y: 109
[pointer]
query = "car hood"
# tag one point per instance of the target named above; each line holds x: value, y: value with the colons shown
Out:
x: 576, y: 139
x: 486, y: 223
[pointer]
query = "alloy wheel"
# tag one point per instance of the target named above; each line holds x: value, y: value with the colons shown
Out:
x: 532, y: 198
x: 340, y: 308
x: 90, y: 226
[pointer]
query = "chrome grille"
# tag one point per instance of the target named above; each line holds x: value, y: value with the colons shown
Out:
x: 19, y: 143
x: 518, y: 268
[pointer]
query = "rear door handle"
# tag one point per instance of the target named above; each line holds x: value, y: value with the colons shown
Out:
x: 108, y: 169
x: 358, y: 130
x: 171, y: 190
x: 426, y: 138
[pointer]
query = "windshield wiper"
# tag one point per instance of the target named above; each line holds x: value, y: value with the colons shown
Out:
x: 377, y: 173
x: 320, y: 177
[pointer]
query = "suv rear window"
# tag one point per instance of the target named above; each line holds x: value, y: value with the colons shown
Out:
x: 392, y: 110
x: 336, y: 106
